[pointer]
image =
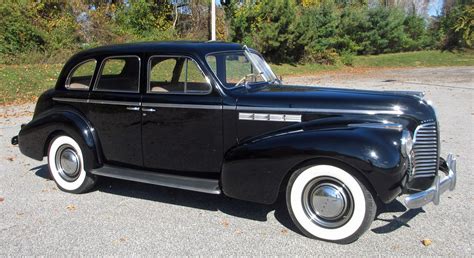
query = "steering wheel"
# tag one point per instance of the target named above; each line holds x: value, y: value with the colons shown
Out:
x: 244, y: 80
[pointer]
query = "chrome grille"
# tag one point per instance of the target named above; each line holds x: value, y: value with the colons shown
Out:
x: 426, y: 150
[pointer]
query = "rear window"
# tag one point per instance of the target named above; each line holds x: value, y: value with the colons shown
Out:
x: 119, y: 74
x: 80, y: 77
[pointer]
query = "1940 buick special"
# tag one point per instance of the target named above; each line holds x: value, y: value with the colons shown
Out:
x: 213, y: 117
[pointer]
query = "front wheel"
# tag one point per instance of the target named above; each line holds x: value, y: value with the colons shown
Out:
x: 328, y: 203
x: 66, y: 165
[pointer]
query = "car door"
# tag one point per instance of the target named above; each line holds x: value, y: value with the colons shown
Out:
x: 182, y: 117
x: 114, y: 110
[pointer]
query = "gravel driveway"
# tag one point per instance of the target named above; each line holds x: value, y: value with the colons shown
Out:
x: 122, y: 218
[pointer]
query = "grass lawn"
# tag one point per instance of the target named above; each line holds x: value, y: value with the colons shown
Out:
x: 298, y: 69
x: 409, y: 59
x: 416, y: 59
x: 23, y: 83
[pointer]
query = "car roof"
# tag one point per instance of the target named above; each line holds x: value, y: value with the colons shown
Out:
x: 197, y: 47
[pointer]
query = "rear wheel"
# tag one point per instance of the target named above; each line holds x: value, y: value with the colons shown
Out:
x: 66, y: 165
x: 329, y: 203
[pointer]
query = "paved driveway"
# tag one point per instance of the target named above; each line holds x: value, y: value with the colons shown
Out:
x: 121, y: 218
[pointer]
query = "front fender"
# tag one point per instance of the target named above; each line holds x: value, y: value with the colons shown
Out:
x: 34, y: 137
x: 254, y: 170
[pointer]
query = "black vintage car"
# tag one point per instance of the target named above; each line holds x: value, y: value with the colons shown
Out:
x: 213, y: 117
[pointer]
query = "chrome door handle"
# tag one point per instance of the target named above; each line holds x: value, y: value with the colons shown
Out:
x: 133, y: 108
x: 149, y: 109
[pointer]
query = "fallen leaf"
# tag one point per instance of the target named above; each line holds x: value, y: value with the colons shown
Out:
x: 10, y: 158
x: 2, y: 199
x: 120, y: 240
x: 225, y: 223
x: 426, y: 242
x: 71, y: 207
x: 284, y: 231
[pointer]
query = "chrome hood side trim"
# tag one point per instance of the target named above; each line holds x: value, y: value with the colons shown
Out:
x: 322, y: 110
x: 393, y: 126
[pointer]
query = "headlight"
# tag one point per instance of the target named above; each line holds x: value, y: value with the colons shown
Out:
x: 407, y: 143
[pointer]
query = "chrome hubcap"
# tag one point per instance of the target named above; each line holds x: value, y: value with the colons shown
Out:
x: 68, y: 163
x: 327, y: 202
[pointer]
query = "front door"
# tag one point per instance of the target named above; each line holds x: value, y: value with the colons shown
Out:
x: 114, y: 110
x: 182, y: 118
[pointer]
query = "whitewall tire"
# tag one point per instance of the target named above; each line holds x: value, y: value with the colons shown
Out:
x: 329, y: 203
x: 66, y: 165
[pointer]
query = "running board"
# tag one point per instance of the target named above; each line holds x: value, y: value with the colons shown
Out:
x: 210, y: 186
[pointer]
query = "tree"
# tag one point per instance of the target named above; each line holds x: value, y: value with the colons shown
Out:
x: 316, y: 33
x: 267, y: 26
x: 465, y: 24
x: 456, y: 27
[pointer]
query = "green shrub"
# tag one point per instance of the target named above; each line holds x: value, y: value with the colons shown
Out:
x: 319, y: 31
x: 465, y: 25
x: 347, y: 58
x: 456, y: 27
x: 145, y: 20
x: 326, y: 31
x: 416, y: 33
x: 386, y: 32
x: 267, y: 26
x: 316, y: 33
x: 18, y: 31
x: 354, y: 29
x: 326, y: 56
x: 55, y: 21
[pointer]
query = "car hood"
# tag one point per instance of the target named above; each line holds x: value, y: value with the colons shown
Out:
x: 322, y: 100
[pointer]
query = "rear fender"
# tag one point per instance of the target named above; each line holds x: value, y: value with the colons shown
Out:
x: 35, y: 136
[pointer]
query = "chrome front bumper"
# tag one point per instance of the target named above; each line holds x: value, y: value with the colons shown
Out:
x: 439, y: 186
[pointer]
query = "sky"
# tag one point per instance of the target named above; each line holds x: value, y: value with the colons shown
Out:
x: 435, y: 7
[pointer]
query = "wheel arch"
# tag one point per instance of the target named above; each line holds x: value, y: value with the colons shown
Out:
x: 34, y: 138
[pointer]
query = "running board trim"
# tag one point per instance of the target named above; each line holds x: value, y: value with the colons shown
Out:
x: 210, y: 186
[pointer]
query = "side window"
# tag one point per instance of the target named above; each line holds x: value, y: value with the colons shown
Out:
x: 212, y: 62
x: 121, y: 74
x: 80, y: 77
x: 176, y: 75
x: 163, y: 70
x: 113, y: 67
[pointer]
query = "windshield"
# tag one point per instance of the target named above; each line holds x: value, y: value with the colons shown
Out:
x: 240, y: 68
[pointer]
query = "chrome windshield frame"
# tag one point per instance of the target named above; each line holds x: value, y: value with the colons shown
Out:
x: 255, y: 63
x: 265, y: 71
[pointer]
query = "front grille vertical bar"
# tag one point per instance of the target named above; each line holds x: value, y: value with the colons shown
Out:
x: 426, y: 149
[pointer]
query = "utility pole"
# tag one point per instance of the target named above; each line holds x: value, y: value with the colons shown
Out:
x: 213, y: 19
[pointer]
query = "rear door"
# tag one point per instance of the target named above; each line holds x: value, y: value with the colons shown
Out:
x: 182, y: 117
x: 114, y: 110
